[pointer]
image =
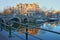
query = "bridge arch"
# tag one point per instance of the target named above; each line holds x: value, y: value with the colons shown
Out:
x: 15, y: 25
x: 15, y: 19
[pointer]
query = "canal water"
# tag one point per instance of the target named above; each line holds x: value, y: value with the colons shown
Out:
x: 37, y: 34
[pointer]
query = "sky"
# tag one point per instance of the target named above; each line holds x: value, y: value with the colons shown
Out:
x: 44, y: 4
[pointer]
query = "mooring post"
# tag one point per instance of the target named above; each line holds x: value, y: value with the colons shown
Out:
x: 26, y: 31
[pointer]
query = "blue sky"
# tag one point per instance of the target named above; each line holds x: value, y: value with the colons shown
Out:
x: 44, y: 4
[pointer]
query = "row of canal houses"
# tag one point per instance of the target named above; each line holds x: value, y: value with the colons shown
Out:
x: 54, y: 16
x: 32, y: 16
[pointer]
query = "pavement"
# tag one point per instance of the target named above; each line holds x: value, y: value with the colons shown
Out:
x: 4, y: 35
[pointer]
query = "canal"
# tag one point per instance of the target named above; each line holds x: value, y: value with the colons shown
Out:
x: 37, y: 34
x: 43, y: 31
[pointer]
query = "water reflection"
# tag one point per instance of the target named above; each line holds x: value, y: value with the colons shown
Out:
x: 33, y: 31
x: 53, y: 24
x: 46, y: 25
x: 45, y: 35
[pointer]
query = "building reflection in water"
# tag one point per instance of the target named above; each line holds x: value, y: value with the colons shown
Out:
x: 53, y: 24
x: 35, y: 31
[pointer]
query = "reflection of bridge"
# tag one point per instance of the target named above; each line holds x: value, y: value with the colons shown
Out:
x: 10, y: 28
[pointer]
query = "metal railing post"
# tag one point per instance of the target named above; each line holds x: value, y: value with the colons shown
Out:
x: 26, y: 31
x: 10, y: 31
x: 1, y: 27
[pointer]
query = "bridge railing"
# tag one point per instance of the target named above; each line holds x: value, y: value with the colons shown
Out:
x: 11, y: 29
